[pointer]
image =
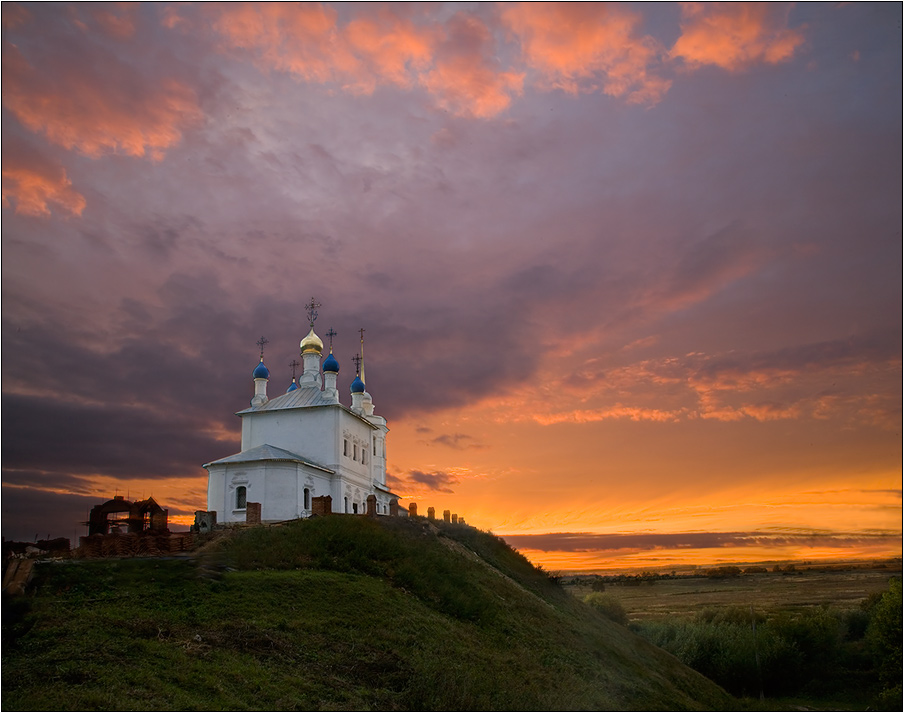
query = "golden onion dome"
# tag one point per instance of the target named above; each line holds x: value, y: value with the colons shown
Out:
x: 311, y: 344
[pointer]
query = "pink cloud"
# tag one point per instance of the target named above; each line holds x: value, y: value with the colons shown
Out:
x: 97, y: 107
x: 393, y: 47
x: 735, y: 35
x: 14, y: 15
x: 299, y: 38
x: 586, y: 47
x: 466, y: 79
x: 33, y: 184
x: 454, y: 61
x: 116, y: 19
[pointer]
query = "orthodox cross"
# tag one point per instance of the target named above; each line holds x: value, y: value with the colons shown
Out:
x: 361, y: 332
x: 261, y: 342
x: 357, y: 360
x: 331, y: 334
x: 311, y: 309
x: 294, y: 366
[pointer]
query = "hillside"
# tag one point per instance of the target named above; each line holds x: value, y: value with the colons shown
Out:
x: 329, y: 613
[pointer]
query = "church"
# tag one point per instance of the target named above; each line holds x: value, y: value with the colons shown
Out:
x: 304, y: 444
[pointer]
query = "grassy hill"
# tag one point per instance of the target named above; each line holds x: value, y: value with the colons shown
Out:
x: 330, y: 613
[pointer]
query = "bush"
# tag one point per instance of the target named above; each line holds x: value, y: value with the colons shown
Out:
x: 723, y: 572
x: 883, y: 636
x: 608, y: 606
x: 817, y: 651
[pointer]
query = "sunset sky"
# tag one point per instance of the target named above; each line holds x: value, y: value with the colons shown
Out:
x: 631, y: 275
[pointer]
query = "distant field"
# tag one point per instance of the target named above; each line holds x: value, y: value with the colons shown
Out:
x: 765, y: 592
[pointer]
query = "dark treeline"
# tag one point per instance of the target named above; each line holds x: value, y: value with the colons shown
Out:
x: 599, y: 582
x: 813, y: 653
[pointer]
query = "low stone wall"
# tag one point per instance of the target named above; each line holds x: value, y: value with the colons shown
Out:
x: 134, y: 544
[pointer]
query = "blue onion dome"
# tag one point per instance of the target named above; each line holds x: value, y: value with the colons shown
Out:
x: 292, y: 387
x: 331, y: 364
x: 260, y: 371
x: 357, y: 386
x: 311, y: 344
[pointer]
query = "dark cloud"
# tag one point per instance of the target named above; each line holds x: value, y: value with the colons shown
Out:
x: 28, y: 513
x: 587, y: 542
x: 876, y: 350
x: 436, y: 481
x: 116, y: 440
x: 46, y: 480
x: 459, y: 441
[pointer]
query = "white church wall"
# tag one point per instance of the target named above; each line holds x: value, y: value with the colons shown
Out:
x: 305, y: 432
x: 357, y: 461
x: 222, y: 490
x: 216, y: 496
x: 280, y: 496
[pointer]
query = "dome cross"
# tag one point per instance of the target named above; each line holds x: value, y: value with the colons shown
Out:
x: 311, y: 309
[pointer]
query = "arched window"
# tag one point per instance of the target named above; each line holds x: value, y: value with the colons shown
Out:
x: 241, y: 498
x: 307, y: 499
x: 346, y: 505
x: 355, y: 508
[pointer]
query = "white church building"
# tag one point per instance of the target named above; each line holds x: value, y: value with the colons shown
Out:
x: 304, y: 444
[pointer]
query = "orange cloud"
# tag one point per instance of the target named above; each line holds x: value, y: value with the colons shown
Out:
x: 466, y: 78
x: 299, y: 38
x: 33, y: 183
x: 734, y: 35
x: 455, y: 61
x: 576, y: 47
x: 632, y: 413
x: 394, y: 48
x: 788, y: 385
x: 98, y: 109
x: 585, y: 47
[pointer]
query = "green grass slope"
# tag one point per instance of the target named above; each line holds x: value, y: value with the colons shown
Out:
x: 331, y: 613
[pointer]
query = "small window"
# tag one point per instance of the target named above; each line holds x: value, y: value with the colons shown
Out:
x: 363, y: 456
x: 346, y: 505
x: 241, y: 498
x: 355, y: 451
x: 307, y: 499
x: 355, y: 508
x: 345, y: 446
x: 375, y: 446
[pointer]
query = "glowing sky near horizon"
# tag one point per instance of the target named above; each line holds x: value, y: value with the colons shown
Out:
x: 630, y: 274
